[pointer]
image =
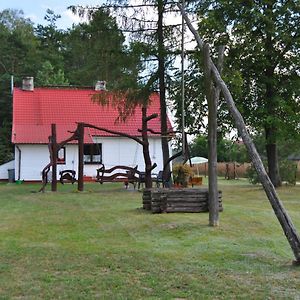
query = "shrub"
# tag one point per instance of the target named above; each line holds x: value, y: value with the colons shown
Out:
x: 181, y: 174
x: 252, y: 175
x: 287, y: 170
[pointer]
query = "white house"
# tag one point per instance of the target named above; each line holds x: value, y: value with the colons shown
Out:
x: 35, y: 109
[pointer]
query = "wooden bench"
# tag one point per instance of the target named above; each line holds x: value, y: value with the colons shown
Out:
x: 123, y: 174
x: 67, y: 176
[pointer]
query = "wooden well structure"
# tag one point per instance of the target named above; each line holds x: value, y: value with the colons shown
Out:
x: 189, y: 200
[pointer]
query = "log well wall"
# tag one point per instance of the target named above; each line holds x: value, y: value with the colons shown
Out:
x: 177, y: 200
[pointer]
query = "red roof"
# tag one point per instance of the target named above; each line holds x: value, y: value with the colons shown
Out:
x: 35, y: 111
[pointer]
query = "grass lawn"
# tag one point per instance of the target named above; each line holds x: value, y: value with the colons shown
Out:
x: 99, y: 244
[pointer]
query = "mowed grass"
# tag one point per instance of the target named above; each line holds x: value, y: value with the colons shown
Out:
x: 99, y: 244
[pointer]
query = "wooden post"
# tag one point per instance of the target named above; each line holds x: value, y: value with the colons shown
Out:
x: 278, y: 208
x: 80, y: 132
x: 162, y: 87
x: 211, y: 95
x: 54, y: 158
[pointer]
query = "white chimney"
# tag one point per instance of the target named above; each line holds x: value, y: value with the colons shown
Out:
x: 27, y: 84
x: 100, y: 86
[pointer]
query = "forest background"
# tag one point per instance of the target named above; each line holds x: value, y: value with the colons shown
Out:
x: 117, y: 45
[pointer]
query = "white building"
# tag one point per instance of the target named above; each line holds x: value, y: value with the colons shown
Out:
x: 34, y: 110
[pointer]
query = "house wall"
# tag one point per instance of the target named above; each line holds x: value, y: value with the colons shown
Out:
x: 33, y: 159
x: 115, y: 151
x: 123, y: 151
x: 4, y: 169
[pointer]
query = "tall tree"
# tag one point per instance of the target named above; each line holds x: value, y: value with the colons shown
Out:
x: 18, y: 57
x: 144, y: 24
x: 95, y: 50
x: 51, y: 40
x: 47, y: 75
x: 263, y: 39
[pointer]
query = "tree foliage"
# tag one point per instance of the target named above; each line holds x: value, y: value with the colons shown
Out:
x: 196, y: 109
x: 227, y: 150
x: 81, y: 55
x: 263, y: 42
x: 151, y: 39
x: 51, y: 40
x: 261, y: 67
x: 18, y: 57
x: 47, y: 75
x: 96, y: 51
x: 262, y: 39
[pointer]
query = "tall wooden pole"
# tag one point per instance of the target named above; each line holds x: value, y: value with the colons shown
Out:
x: 162, y: 86
x: 212, y: 141
x: 80, y: 132
x: 54, y: 158
x: 182, y: 84
x: 278, y: 208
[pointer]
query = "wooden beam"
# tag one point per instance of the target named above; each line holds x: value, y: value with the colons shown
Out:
x: 54, y: 158
x: 117, y: 133
x: 211, y: 97
x: 80, y: 133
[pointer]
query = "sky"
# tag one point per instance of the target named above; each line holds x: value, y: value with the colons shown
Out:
x: 36, y: 9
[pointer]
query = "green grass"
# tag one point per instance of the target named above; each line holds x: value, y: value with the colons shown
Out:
x: 99, y: 244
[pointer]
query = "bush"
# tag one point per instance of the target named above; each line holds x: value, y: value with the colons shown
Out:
x: 5, y: 154
x: 287, y: 170
x: 252, y: 175
x: 181, y: 174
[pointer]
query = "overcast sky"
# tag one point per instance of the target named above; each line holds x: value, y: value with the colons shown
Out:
x: 36, y: 9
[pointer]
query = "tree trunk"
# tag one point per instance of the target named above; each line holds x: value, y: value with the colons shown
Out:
x: 162, y: 87
x: 271, y: 133
x: 272, y: 155
x: 147, y: 159
x: 280, y: 212
x: 271, y: 105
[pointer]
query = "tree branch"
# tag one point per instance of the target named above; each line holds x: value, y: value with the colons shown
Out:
x: 148, y: 118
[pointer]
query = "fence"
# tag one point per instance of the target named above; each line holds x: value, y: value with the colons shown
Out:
x: 230, y: 169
